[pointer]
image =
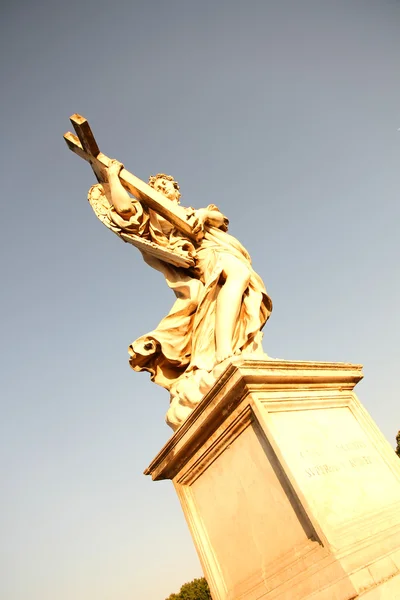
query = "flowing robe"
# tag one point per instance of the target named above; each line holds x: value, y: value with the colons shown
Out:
x: 184, y: 341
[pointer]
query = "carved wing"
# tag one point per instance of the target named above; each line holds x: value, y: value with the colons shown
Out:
x: 101, y: 206
x: 97, y: 197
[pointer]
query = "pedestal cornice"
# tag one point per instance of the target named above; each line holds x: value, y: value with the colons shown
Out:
x: 240, y: 378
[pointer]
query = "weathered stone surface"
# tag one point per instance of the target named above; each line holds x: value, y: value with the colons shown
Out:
x: 288, y: 487
x: 221, y: 303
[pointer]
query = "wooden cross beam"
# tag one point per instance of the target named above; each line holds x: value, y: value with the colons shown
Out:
x: 85, y: 146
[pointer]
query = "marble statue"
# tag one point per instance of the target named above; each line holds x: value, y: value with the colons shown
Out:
x: 221, y: 303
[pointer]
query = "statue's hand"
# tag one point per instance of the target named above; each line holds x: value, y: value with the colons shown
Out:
x: 199, y: 221
x: 114, y: 168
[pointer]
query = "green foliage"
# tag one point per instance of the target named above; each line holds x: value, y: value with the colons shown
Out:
x: 398, y: 444
x: 195, y: 590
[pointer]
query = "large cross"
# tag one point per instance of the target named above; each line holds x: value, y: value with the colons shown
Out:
x: 85, y: 146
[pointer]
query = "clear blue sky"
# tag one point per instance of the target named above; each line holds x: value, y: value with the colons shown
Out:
x: 288, y: 109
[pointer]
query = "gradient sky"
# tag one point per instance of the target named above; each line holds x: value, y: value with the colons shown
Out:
x: 284, y: 114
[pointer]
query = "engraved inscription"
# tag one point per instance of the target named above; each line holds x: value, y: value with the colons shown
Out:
x: 354, y: 461
x: 336, y: 464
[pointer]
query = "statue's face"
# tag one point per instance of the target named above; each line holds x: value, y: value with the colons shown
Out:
x: 166, y: 187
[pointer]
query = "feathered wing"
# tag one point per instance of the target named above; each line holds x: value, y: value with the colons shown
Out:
x: 98, y: 197
x: 136, y: 230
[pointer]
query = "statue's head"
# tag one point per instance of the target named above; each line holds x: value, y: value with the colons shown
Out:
x: 166, y: 185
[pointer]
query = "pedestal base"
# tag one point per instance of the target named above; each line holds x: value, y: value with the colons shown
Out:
x: 288, y: 487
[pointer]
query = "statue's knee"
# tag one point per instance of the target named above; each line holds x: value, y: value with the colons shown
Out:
x: 237, y: 274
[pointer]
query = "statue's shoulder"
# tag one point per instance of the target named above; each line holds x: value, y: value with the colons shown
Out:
x: 213, y: 207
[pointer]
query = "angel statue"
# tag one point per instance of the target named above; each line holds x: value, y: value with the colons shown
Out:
x: 221, y: 303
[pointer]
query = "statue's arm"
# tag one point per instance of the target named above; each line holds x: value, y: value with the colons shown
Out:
x: 210, y: 216
x: 120, y: 198
x: 217, y: 219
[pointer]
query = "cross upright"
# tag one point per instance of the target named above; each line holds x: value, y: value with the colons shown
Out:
x: 84, y: 145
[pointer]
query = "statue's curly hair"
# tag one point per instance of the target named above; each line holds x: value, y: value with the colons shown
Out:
x: 153, y: 179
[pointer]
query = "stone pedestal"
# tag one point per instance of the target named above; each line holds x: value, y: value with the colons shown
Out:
x: 289, y: 489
